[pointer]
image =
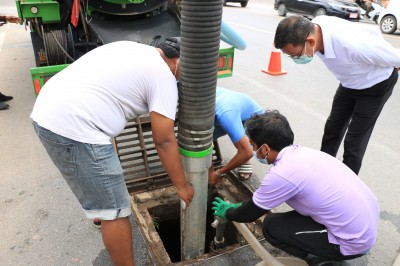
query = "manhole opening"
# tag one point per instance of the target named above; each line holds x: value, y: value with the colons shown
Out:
x: 167, y: 223
x: 158, y: 214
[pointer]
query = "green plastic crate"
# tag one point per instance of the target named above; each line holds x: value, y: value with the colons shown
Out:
x: 40, y: 75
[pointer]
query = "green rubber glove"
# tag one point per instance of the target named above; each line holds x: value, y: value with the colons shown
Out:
x: 220, y: 207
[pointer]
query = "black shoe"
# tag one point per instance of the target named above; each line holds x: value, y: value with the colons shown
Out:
x: 317, y: 261
x: 3, y: 106
x: 4, y: 98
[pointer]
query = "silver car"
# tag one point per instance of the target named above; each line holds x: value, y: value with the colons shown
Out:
x: 389, y: 18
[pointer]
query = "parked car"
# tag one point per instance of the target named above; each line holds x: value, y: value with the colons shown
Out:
x: 312, y: 8
x: 243, y: 3
x: 389, y: 18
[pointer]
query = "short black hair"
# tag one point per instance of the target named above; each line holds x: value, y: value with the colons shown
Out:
x: 171, y: 47
x: 270, y: 128
x: 293, y: 30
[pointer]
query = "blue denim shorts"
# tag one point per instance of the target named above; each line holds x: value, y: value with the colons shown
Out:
x: 218, y: 132
x: 93, y: 172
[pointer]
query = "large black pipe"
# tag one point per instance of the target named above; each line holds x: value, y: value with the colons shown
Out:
x: 200, y: 37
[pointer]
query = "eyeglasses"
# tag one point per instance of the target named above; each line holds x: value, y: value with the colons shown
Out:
x: 297, y: 56
x: 301, y: 53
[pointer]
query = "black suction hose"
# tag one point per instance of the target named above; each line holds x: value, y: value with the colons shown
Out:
x: 200, y: 38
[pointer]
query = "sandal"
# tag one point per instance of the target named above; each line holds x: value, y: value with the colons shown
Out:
x: 245, y: 171
x: 97, y: 223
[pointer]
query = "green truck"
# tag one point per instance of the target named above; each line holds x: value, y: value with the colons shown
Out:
x: 63, y: 30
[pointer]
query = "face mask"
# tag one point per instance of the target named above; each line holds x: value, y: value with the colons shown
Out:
x: 263, y: 161
x: 304, y: 59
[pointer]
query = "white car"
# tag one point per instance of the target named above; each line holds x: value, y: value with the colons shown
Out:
x: 389, y: 18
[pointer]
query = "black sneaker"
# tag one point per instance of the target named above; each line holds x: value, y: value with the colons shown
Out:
x: 3, y: 106
x: 4, y: 98
x: 97, y: 224
x: 317, y: 261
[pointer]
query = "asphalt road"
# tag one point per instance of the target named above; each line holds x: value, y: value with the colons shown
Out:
x: 304, y: 96
x: 40, y: 220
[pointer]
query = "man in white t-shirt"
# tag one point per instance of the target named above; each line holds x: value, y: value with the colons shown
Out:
x: 81, y: 108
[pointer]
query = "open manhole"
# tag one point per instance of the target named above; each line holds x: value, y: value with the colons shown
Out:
x: 158, y: 216
x: 155, y: 204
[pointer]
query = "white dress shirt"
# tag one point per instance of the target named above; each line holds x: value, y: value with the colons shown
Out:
x: 359, y: 57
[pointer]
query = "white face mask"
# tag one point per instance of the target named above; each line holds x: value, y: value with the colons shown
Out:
x: 304, y: 59
x: 264, y: 160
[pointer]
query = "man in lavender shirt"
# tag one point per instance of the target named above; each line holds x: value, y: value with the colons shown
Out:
x: 335, y: 215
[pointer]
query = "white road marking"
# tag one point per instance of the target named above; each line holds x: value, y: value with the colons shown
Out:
x: 250, y: 28
x: 377, y: 144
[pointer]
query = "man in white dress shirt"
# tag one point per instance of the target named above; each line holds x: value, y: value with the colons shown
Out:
x: 363, y: 62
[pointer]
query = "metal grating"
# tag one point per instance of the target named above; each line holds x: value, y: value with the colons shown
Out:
x: 139, y: 159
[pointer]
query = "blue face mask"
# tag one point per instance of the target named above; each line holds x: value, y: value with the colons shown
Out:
x: 304, y: 59
x: 263, y: 161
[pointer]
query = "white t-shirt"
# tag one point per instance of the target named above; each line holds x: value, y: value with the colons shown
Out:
x: 91, y: 99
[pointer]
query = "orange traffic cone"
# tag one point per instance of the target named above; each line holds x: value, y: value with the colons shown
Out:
x: 275, y: 66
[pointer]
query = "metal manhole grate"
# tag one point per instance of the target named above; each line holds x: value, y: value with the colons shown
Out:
x: 139, y: 159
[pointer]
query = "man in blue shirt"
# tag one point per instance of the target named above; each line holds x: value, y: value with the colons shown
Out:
x: 232, y: 109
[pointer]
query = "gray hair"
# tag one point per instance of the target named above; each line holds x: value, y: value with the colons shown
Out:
x: 293, y: 30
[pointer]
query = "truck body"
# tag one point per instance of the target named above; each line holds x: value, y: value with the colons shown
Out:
x: 63, y: 30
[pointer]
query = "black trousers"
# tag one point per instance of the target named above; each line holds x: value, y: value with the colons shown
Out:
x: 300, y: 235
x: 355, y: 111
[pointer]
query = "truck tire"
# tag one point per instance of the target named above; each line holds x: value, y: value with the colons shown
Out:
x: 244, y: 4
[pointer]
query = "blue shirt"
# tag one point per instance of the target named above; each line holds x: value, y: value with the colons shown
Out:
x: 232, y: 109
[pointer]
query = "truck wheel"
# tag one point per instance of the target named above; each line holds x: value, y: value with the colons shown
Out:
x: 388, y: 24
x: 244, y: 4
x: 282, y: 10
